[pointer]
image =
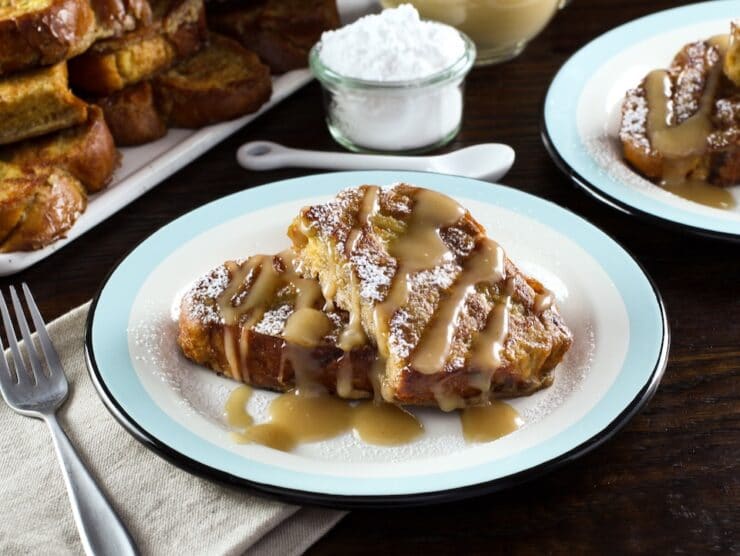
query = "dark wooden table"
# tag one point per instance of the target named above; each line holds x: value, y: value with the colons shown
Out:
x: 667, y: 483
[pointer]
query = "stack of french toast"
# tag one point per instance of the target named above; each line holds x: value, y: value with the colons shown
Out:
x: 394, y: 293
x: 79, y: 78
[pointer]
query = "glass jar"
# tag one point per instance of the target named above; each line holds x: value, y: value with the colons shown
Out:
x: 501, y: 29
x: 394, y: 116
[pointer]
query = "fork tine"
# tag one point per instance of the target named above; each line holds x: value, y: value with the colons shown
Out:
x: 20, y: 318
x: 4, y: 369
x: 50, y: 352
x: 20, y: 368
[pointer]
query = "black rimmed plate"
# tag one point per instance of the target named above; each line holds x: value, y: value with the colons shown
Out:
x: 175, y: 407
x: 583, y: 108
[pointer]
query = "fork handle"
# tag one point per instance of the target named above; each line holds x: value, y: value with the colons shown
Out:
x: 100, y: 528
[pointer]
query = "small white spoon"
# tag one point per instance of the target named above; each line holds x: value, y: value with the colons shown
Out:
x: 489, y: 161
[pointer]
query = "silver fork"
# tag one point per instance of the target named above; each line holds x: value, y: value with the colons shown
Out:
x: 37, y: 394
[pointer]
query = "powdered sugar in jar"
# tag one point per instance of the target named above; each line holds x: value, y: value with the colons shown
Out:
x: 392, y: 82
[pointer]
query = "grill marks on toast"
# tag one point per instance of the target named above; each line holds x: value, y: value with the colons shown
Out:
x: 259, y: 322
x: 456, y: 320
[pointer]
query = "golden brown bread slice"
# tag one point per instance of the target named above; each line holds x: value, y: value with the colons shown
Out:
x: 281, y: 32
x: 693, y: 132
x: 86, y: 151
x: 15, y: 192
x: 132, y: 115
x: 36, y: 102
x: 178, y: 30
x: 43, y: 32
x: 258, y: 322
x: 221, y: 82
x: 37, y: 207
x: 455, y: 319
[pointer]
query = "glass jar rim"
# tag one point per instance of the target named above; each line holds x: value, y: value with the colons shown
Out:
x: 459, y: 68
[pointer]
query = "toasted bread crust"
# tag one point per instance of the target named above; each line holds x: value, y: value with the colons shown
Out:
x: 55, y: 32
x: 86, y: 151
x: 281, y: 32
x: 221, y: 82
x: 113, y: 64
x: 132, y: 115
x: 53, y: 201
x: 37, y: 102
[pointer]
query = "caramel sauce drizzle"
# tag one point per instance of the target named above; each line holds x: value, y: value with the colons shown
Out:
x: 489, y: 422
x: 306, y: 326
x: 420, y: 247
x: 543, y: 301
x: 484, y: 266
x: 297, y: 418
x: 683, y: 144
x: 486, y: 353
x: 354, y: 335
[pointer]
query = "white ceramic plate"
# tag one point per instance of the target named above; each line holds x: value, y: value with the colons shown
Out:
x: 583, y: 108
x: 175, y: 407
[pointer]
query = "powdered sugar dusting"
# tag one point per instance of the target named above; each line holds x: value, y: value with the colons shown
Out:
x: 395, y: 45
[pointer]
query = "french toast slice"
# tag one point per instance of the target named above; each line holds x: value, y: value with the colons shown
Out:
x: 221, y: 82
x: 86, y: 151
x: 281, y: 32
x: 43, y: 32
x: 37, y: 207
x: 258, y: 322
x: 36, y: 102
x: 455, y: 320
x: 132, y: 115
x: 692, y: 132
x: 178, y: 30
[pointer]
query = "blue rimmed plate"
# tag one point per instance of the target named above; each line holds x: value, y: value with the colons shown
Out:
x: 175, y: 408
x: 583, y: 108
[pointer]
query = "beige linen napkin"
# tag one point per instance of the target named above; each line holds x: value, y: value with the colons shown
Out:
x: 167, y: 510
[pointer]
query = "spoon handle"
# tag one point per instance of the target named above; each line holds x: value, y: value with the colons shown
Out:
x: 265, y: 155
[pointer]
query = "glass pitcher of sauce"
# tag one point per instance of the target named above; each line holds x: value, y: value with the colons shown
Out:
x: 501, y: 29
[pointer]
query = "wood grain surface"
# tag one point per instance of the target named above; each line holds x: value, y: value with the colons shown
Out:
x: 667, y: 483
